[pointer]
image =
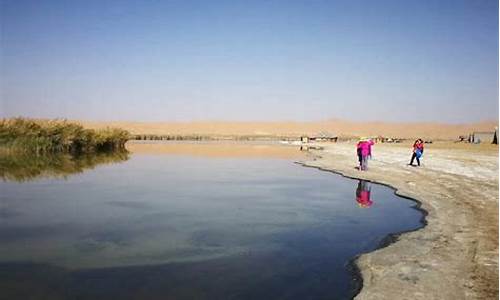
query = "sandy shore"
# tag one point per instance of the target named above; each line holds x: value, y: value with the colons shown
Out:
x: 456, y: 255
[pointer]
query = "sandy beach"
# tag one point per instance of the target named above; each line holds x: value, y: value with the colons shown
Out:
x: 455, y: 256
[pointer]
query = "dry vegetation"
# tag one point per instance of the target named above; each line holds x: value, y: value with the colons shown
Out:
x: 49, y: 136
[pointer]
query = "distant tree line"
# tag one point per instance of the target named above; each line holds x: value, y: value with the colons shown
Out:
x: 51, y: 136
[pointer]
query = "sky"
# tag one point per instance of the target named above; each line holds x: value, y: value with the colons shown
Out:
x: 398, y: 61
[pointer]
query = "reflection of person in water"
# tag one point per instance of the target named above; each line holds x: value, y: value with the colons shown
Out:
x: 363, y: 194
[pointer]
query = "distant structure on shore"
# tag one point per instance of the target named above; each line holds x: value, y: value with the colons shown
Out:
x: 490, y: 137
x: 320, y: 137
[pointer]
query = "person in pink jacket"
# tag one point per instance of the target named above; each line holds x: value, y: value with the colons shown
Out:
x: 364, y: 149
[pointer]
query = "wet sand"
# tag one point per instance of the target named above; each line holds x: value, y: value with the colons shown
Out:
x: 455, y: 256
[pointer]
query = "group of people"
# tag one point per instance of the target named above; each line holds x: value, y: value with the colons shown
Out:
x: 364, y: 151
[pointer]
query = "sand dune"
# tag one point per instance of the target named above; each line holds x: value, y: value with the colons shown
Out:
x: 337, y: 127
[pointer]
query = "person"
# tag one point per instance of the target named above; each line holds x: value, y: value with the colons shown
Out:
x: 363, y: 194
x: 418, y: 151
x: 360, y: 156
x: 370, y: 144
x: 364, y: 148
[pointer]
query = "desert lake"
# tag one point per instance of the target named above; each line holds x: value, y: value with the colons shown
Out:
x: 190, y: 221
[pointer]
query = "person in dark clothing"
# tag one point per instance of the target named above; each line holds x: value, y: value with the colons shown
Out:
x: 418, y: 150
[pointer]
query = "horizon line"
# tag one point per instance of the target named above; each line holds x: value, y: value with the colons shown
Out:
x: 254, y: 121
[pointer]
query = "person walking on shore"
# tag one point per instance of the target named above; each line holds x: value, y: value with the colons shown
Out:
x: 364, y: 147
x: 418, y: 151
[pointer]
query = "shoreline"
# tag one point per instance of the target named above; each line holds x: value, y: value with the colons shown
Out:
x: 387, y: 240
x: 434, y: 261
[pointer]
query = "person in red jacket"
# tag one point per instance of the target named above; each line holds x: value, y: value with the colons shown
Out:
x: 418, y: 151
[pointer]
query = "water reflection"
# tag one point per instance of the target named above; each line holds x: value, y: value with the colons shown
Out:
x: 307, y: 148
x: 223, y: 149
x: 23, y: 167
x: 363, y: 194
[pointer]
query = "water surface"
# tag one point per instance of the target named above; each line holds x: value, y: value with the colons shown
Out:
x: 189, y: 222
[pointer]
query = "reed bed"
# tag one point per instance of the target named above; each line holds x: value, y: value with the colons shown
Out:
x: 51, y: 136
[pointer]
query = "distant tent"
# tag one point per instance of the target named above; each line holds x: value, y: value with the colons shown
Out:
x: 484, y: 137
x: 325, y: 135
x: 320, y: 137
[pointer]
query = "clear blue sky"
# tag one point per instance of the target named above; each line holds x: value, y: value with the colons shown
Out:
x: 250, y: 60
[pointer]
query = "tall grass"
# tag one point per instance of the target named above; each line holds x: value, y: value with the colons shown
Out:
x: 50, y: 136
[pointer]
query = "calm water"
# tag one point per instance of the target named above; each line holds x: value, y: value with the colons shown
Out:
x: 159, y: 224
